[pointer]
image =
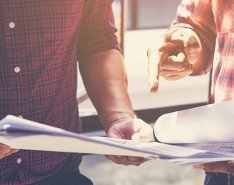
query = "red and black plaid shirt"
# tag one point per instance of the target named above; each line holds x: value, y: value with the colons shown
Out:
x: 40, y: 44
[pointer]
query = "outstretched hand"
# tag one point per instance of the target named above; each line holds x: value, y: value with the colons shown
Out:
x: 6, y: 151
x: 132, y: 129
x: 172, y: 56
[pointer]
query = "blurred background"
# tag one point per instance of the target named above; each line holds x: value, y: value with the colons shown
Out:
x: 139, y: 22
x: 154, y: 172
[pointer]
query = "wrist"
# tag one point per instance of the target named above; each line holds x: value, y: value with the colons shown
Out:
x: 116, y: 118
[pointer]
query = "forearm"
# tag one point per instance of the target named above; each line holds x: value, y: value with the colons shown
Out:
x: 105, y: 81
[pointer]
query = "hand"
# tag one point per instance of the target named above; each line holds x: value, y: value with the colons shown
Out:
x: 134, y: 129
x: 221, y: 166
x: 172, y: 56
x: 6, y: 151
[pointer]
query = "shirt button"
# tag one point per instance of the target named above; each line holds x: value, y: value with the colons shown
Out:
x: 17, y: 69
x: 12, y: 25
x: 19, y: 161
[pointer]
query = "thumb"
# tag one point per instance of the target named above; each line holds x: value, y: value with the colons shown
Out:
x: 136, y: 137
x: 142, y: 131
x: 154, y: 61
x: 191, y: 49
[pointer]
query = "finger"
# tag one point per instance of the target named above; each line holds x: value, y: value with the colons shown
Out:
x: 136, y: 137
x: 172, y: 47
x: 3, y: 155
x: 154, y: 62
x: 124, y: 160
x: 176, y: 63
x: 175, y: 75
x: 231, y: 167
x: 136, y: 161
x: 172, y: 67
x: 13, y: 150
x: 180, y: 57
x: 142, y: 131
x: 199, y: 166
x: 119, y: 159
x: 191, y: 48
x: 175, y: 71
x: 189, y: 43
x: 143, y: 137
x: 231, y: 162
x: 113, y: 158
x: 7, y: 148
x: 221, y: 166
x: 4, y: 148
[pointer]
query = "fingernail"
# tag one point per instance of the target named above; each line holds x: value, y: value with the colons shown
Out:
x: 231, y: 162
x: 153, y: 88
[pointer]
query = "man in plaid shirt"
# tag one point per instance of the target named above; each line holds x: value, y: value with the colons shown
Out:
x: 41, y: 42
x: 201, y: 37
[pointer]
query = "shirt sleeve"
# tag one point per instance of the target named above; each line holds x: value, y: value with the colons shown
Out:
x: 98, y: 31
x: 198, y: 16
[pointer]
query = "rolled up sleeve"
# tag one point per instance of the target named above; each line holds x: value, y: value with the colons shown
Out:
x: 98, y: 31
x: 198, y: 16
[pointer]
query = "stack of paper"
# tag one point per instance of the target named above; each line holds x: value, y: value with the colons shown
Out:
x: 192, y: 136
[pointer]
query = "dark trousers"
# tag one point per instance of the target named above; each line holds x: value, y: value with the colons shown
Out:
x: 218, y: 179
x: 69, y: 174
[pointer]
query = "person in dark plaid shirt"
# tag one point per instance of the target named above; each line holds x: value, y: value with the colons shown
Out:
x: 201, y: 37
x: 41, y: 42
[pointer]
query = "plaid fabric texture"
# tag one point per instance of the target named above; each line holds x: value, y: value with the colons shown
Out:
x: 213, y: 20
x: 40, y: 44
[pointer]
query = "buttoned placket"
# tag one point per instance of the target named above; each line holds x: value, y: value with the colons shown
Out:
x: 19, y: 160
x: 16, y: 70
x: 12, y: 26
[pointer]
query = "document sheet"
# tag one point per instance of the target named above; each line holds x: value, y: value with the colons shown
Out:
x: 179, y: 142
